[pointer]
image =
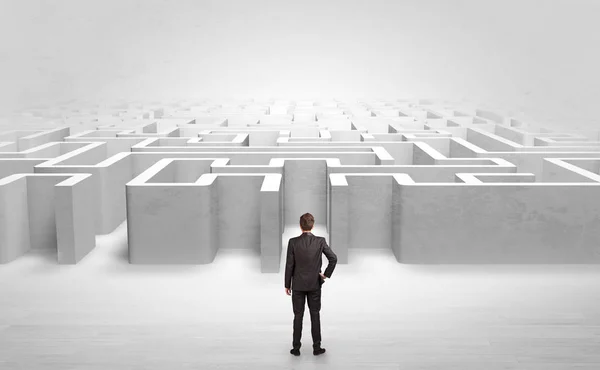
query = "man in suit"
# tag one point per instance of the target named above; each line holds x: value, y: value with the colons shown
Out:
x: 303, y: 269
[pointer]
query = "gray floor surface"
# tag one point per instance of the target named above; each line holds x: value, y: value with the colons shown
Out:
x: 377, y: 314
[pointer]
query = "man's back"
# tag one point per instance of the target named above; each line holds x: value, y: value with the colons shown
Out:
x: 304, y: 261
x: 303, y: 270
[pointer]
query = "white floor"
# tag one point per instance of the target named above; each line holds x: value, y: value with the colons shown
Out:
x: 377, y: 314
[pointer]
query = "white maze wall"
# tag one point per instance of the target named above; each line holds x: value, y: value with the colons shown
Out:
x: 436, y: 183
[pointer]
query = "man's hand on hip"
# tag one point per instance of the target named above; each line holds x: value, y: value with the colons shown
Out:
x: 323, y: 276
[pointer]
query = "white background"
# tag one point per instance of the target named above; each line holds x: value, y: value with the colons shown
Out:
x: 537, y: 57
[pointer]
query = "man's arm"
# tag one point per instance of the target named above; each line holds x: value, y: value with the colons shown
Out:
x: 331, y: 257
x: 289, y: 265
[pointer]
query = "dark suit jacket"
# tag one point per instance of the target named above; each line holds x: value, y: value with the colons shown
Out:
x: 304, y: 260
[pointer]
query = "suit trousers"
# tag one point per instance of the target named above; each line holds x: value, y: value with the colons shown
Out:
x: 314, y: 307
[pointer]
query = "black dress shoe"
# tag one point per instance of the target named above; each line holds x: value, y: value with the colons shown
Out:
x: 319, y: 351
x: 295, y: 351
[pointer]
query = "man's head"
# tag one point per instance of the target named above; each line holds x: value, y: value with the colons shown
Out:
x: 306, y: 222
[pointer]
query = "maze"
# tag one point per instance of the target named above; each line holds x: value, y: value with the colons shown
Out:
x: 434, y: 182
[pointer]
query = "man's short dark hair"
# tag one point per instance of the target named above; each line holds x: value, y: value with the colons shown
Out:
x: 307, y: 221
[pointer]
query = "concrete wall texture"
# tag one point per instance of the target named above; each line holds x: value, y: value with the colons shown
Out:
x: 433, y: 181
